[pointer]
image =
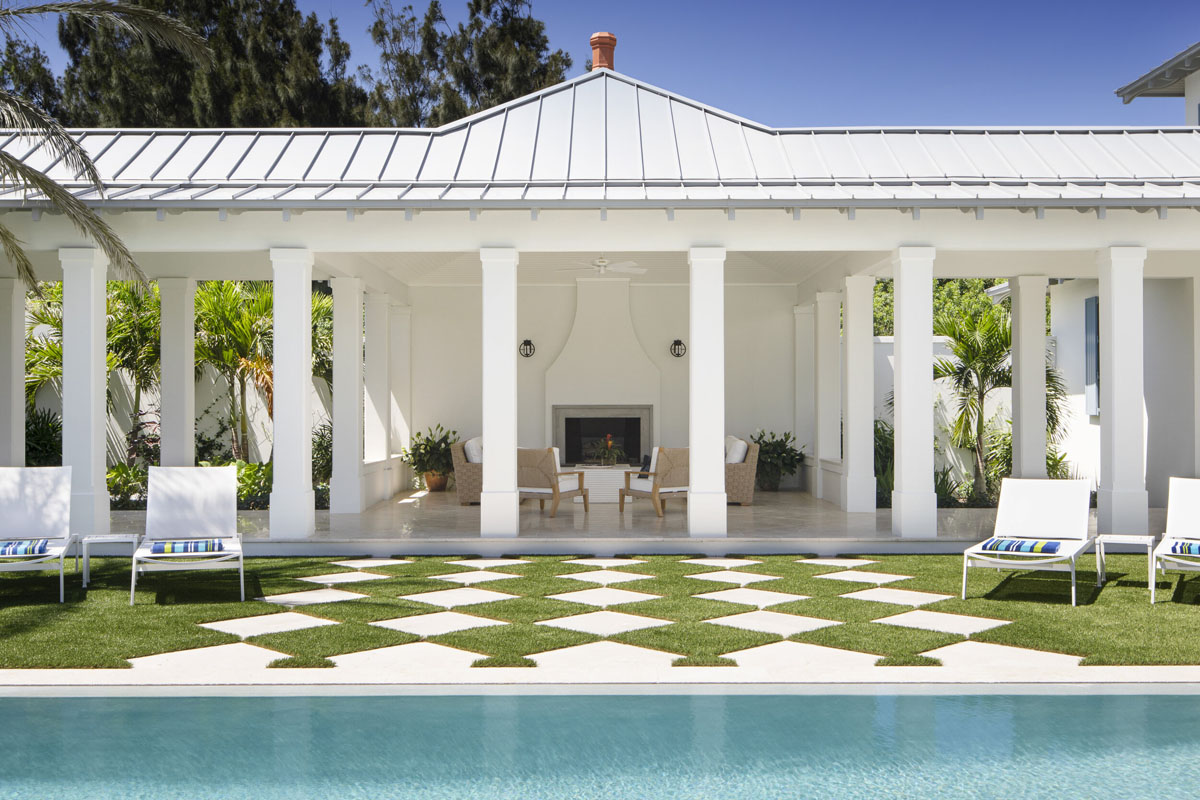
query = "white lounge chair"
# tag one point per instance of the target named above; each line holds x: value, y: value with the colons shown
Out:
x: 35, y: 520
x: 1040, y: 525
x: 191, y: 523
x: 1179, y: 549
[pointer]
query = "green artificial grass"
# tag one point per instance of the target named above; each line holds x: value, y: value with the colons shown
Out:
x: 97, y: 628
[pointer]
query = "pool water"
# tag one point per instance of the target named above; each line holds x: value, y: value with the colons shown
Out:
x: 644, y: 747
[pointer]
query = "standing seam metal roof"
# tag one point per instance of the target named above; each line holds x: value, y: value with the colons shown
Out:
x: 604, y: 139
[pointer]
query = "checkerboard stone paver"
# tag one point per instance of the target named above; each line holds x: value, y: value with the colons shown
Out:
x: 469, y: 578
x: 960, y: 624
x: 418, y: 661
x: 437, y: 623
x: 862, y: 576
x: 611, y: 660
x: 900, y: 597
x: 772, y: 622
x: 728, y: 576
x: 452, y: 598
x: 605, y: 563
x: 246, y: 627
x: 604, y: 597
x: 367, y: 563
x: 312, y: 597
x: 605, y: 623
x: 752, y: 597
x: 335, y: 578
x: 789, y: 660
x: 845, y: 563
x: 606, y: 576
x: 231, y: 662
x: 724, y: 563
x: 488, y: 563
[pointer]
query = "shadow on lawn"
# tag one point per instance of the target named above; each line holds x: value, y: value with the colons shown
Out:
x: 1045, y: 587
x: 187, y: 589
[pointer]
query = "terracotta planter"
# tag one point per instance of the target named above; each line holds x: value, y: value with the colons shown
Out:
x: 435, y: 482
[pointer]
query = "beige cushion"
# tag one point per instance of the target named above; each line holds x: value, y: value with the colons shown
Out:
x: 473, y: 450
x: 735, y: 450
x: 647, y: 484
x: 566, y: 483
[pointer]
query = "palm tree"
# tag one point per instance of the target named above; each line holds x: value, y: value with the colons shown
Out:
x: 21, y: 115
x: 134, y: 315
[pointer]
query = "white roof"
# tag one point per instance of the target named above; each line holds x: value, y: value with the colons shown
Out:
x: 607, y: 140
x: 1165, y: 80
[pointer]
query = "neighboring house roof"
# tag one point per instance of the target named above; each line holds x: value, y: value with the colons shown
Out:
x: 1165, y: 80
x: 607, y: 140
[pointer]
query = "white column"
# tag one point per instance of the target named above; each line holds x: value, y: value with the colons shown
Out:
x: 805, y: 390
x: 400, y: 358
x: 12, y: 373
x: 1029, y: 375
x: 914, y: 503
x: 177, y: 389
x: 1122, y: 501
x: 858, y: 394
x: 498, y: 508
x: 85, y: 384
x: 706, y: 504
x: 1196, y: 375
x: 292, y: 504
x: 377, y: 426
x: 829, y: 388
x: 345, y: 487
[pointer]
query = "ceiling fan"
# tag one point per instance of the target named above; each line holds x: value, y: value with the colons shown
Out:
x: 602, y: 266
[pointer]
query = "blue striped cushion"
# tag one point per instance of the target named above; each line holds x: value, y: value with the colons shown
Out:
x: 1186, y: 548
x: 187, y: 546
x: 1021, y: 545
x: 24, y: 547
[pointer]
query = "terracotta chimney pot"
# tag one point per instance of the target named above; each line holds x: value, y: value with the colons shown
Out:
x: 603, y: 45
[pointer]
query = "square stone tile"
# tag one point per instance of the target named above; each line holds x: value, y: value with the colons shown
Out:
x: 862, y: 576
x: 246, y: 627
x: 604, y: 597
x: 752, y: 597
x: 437, y: 623
x: 469, y: 578
x: 724, y: 563
x: 335, y: 578
x: 606, y: 576
x: 488, y: 563
x: 902, y: 597
x: 728, y: 576
x: 943, y: 623
x: 605, y: 623
x: 367, y: 563
x: 773, y: 622
x: 312, y: 597
x: 845, y: 563
x: 466, y: 596
x: 605, y: 563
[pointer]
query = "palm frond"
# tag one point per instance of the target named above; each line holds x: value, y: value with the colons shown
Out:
x: 28, y: 119
x: 138, y: 22
x: 19, y: 259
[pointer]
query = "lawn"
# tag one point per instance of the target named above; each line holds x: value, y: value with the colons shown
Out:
x: 96, y: 627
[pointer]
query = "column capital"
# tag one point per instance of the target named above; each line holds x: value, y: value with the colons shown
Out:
x: 504, y: 255
x: 82, y: 256
x: 300, y: 256
x: 346, y: 282
x: 806, y: 310
x: 824, y: 298
x: 858, y: 280
x: 1121, y: 254
x: 705, y: 254
x: 913, y: 253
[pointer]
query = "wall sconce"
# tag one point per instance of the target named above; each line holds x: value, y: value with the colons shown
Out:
x: 678, y: 348
x: 527, y: 349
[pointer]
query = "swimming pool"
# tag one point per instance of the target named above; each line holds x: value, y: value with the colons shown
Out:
x: 645, y: 747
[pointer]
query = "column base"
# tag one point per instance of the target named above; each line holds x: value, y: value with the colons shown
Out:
x: 89, y: 513
x: 1122, y: 511
x: 858, y: 493
x: 499, y: 515
x: 346, y: 499
x: 706, y: 512
x: 914, y: 514
x: 293, y: 514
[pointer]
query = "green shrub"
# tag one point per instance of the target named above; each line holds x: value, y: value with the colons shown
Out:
x: 254, y: 483
x: 777, y: 456
x: 43, y: 438
x: 322, y: 454
x: 430, y: 452
x: 127, y: 487
x: 885, y: 463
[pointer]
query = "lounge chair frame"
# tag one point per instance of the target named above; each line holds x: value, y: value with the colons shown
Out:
x: 1183, y: 505
x: 35, y: 503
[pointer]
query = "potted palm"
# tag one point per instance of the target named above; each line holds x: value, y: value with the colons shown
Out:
x: 777, y: 456
x: 430, y: 457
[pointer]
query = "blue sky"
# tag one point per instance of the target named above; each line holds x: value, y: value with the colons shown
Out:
x: 860, y: 62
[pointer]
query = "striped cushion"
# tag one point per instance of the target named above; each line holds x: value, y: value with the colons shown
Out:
x: 24, y: 547
x: 1021, y: 545
x: 1186, y: 548
x: 187, y: 546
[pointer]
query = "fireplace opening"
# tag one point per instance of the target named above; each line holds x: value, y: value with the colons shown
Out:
x: 587, y: 440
